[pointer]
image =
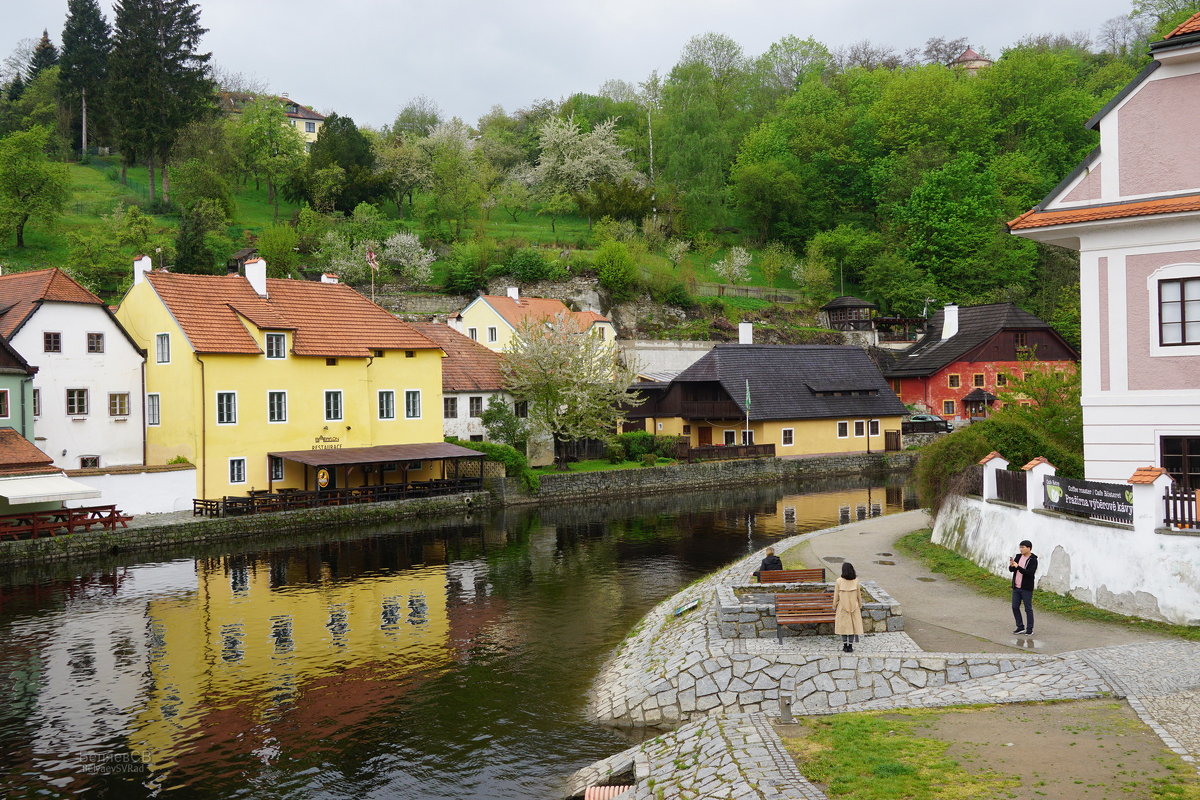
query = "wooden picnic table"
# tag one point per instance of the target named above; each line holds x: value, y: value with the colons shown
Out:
x: 51, y: 522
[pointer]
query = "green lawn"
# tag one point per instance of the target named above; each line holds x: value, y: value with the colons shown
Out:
x: 596, y: 465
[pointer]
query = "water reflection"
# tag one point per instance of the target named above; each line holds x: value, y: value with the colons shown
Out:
x: 444, y: 661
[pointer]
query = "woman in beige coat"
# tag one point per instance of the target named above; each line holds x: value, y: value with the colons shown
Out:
x: 847, y: 608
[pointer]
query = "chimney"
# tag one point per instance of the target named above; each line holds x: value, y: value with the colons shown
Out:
x: 514, y: 292
x: 141, y: 265
x: 256, y: 273
x: 745, y: 333
x: 949, y: 321
x: 329, y: 277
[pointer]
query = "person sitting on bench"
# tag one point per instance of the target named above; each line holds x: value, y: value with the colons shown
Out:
x: 769, y: 563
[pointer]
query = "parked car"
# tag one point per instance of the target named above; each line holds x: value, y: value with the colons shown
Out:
x: 939, y: 423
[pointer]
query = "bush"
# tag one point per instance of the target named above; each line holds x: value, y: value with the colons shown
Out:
x: 943, y: 463
x: 650, y: 459
x: 636, y: 444
x: 665, y: 446
x: 515, y: 464
x: 616, y: 270
x: 614, y: 453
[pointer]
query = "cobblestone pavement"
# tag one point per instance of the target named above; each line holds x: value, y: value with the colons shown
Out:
x: 726, y: 747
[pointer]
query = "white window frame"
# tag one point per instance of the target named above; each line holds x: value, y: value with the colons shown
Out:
x: 729, y: 437
x: 747, y: 437
x: 58, y: 341
x: 282, y: 346
x: 153, y: 409
x: 408, y: 393
x: 493, y: 333
x: 88, y: 343
x: 860, y: 428
x: 452, y: 408
x: 162, y: 348
x: 5, y: 405
x: 341, y: 407
x: 1172, y: 272
x: 473, y: 334
x: 843, y: 429
x: 787, y: 437
x: 391, y: 404
x: 272, y: 473
x: 310, y: 127
x: 217, y: 407
x: 37, y: 402
x: 241, y: 463
x: 873, y: 427
x: 471, y: 404
x: 270, y: 410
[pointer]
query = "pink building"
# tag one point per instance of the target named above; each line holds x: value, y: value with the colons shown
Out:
x: 1132, y: 210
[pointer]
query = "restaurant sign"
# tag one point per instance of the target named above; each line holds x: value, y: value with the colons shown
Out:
x: 1109, y: 501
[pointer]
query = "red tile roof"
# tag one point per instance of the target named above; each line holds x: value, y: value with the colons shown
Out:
x: 21, y: 292
x: 329, y: 319
x: 1190, y: 25
x: 516, y: 312
x: 1036, y: 461
x: 1146, y: 474
x: 1066, y: 216
x: 468, y: 365
x: 19, y: 456
x: 990, y: 456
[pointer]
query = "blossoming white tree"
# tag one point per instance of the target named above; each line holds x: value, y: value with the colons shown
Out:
x: 404, y: 251
x: 734, y: 267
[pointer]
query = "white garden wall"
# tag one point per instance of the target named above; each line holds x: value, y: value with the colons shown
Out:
x: 140, y: 490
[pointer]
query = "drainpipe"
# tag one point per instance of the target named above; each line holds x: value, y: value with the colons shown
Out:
x: 144, y: 451
x: 203, y: 431
x: 28, y: 434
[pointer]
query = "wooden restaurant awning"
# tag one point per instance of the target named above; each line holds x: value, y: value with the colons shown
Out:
x: 378, y: 454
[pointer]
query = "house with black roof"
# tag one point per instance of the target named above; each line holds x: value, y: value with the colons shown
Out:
x: 968, y: 356
x: 804, y: 399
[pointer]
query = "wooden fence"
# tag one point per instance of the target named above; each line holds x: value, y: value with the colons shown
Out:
x: 1181, y: 508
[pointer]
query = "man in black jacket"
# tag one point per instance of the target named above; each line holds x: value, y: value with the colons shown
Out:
x: 769, y: 563
x: 1023, y: 567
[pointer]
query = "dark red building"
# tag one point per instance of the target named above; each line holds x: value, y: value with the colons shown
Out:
x: 969, y: 354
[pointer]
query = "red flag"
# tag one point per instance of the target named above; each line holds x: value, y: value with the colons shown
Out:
x: 374, y: 262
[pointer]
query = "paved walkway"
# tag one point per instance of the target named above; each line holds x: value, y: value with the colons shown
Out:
x: 1066, y: 659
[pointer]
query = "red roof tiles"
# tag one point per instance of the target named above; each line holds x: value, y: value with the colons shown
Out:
x: 516, y: 312
x: 1146, y: 474
x: 328, y: 319
x: 468, y: 365
x: 1036, y: 461
x: 1190, y: 25
x: 1066, y: 216
x: 19, y: 456
x: 991, y: 456
x: 21, y: 292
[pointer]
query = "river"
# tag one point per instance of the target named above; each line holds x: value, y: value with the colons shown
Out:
x: 429, y: 660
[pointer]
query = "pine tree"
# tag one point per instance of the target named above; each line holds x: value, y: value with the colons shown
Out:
x: 158, y: 81
x: 45, y: 54
x: 83, y: 63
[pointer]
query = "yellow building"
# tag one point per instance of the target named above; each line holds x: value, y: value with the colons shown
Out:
x: 300, y: 117
x: 493, y: 320
x: 804, y: 399
x: 251, y: 379
x: 271, y: 652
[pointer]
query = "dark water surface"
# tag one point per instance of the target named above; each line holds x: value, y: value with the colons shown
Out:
x: 437, y: 661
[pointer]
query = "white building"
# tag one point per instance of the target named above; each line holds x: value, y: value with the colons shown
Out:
x: 1132, y: 210
x: 471, y: 376
x: 87, y: 394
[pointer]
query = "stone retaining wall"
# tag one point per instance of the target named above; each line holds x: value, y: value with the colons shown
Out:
x: 649, y: 480
x: 203, y: 530
x: 740, y: 620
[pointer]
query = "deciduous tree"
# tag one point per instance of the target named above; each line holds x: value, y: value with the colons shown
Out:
x: 575, y: 383
x: 31, y: 185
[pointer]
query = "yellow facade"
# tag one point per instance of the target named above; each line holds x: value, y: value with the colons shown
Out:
x: 238, y: 651
x: 485, y: 325
x: 187, y: 388
x: 808, y: 436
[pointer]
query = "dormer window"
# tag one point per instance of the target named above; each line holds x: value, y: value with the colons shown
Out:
x: 276, y: 345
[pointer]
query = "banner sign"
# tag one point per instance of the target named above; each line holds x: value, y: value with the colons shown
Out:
x: 1110, y: 501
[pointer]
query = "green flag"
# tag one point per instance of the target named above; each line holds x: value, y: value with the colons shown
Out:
x: 747, y: 393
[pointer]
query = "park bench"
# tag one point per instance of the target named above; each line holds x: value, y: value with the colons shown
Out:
x: 805, y: 608
x: 792, y: 576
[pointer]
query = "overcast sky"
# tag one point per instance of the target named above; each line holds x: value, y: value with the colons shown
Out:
x: 367, y: 58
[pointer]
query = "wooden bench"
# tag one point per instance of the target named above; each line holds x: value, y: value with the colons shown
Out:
x: 805, y: 608
x: 792, y: 575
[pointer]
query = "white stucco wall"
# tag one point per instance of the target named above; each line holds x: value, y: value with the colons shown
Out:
x: 1144, y: 574
x: 150, y: 492
x: 117, y: 440
x: 465, y: 426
